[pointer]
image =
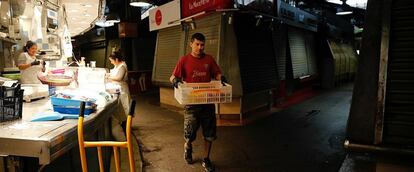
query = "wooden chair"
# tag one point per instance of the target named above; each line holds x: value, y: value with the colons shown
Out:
x: 99, y: 144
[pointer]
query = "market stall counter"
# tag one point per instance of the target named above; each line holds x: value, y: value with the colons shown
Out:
x: 52, y: 145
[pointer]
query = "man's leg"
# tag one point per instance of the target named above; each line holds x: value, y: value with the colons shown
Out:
x: 191, y: 125
x: 208, y: 123
x: 188, y: 150
x: 207, y: 148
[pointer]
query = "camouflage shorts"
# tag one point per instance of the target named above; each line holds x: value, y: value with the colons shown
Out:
x: 196, y: 115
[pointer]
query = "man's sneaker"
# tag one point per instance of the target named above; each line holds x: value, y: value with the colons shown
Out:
x: 188, y: 155
x: 208, y: 166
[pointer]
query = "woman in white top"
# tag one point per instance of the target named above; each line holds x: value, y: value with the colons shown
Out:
x: 28, y: 64
x: 119, y: 75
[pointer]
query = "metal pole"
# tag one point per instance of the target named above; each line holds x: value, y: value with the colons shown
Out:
x: 382, y: 78
x: 376, y: 149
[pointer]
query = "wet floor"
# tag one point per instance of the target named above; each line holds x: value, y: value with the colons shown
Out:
x: 305, y: 137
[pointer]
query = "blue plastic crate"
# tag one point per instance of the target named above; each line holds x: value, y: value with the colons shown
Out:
x: 72, y: 110
x: 56, y: 101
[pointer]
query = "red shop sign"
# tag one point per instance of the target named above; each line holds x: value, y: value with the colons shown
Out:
x: 191, y: 7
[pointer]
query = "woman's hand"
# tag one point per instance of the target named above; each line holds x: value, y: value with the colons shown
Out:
x: 107, y: 75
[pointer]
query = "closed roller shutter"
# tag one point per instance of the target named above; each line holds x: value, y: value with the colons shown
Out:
x: 351, y: 58
x: 209, y: 26
x: 257, y: 61
x: 335, y: 55
x: 297, y: 44
x: 347, y: 57
x: 345, y: 60
x: 167, y: 52
x: 399, y: 102
x: 311, y: 52
x: 279, y: 37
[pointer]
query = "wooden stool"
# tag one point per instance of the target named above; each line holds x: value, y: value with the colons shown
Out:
x: 114, y: 144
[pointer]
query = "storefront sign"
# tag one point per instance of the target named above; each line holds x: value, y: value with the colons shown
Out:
x: 296, y: 17
x: 191, y: 7
x: 166, y: 15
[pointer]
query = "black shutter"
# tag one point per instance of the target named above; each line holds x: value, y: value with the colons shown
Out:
x: 257, y: 61
x: 399, y: 100
x: 311, y: 52
x: 279, y: 37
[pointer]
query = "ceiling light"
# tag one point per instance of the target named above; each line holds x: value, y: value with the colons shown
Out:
x: 102, y: 23
x: 335, y: 1
x: 139, y: 3
x: 344, y: 13
x: 344, y: 10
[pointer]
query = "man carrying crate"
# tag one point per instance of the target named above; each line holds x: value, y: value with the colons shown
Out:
x: 197, y: 67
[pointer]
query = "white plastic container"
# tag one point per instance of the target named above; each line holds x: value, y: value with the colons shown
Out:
x: 203, y: 93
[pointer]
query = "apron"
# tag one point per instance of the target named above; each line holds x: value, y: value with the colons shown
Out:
x: 124, y: 96
x: 29, y: 75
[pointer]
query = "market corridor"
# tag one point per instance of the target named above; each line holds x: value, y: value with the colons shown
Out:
x: 305, y: 137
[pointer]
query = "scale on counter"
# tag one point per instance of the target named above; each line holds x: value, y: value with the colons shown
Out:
x: 34, y: 91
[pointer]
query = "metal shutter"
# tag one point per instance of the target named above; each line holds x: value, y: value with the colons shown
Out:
x: 167, y: 52
x: 351, y: 58
x: 311, y: 52
x: 297, y: 46
x: 345, y: 60
x: 209, y: 26
x: 279, y: 37
x: 257, y: 61
x: 399, y: 100
x: 333, y: 48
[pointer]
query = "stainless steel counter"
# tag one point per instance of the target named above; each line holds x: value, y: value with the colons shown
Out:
x: 47, y: 140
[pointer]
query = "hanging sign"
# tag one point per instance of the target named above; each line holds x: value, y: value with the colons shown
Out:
x: 191, y: 7
x: 166, y: 15
x: 66, y: 42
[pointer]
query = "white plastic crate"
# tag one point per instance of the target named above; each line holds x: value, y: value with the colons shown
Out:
x: 203, y: 93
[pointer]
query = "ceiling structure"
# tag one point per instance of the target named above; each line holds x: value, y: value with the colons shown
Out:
x: 81, y: 14
x: 353, y: 3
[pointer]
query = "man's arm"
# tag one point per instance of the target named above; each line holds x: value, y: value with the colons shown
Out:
x: 175, y: 81
x: 215, y: 70
x: 218, y: 77
x: 172, y: 78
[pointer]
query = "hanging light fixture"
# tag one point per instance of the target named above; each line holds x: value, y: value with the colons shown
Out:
x: 139, y: 3
x: 344, y: 9
x: 103, y: 23
x: 112, y: 17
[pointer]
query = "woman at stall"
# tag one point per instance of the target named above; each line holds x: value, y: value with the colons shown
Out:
x: 29, y: 66
x: 119, y: 75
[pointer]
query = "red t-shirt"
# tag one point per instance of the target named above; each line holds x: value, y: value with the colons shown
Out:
x: 193, y: 69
